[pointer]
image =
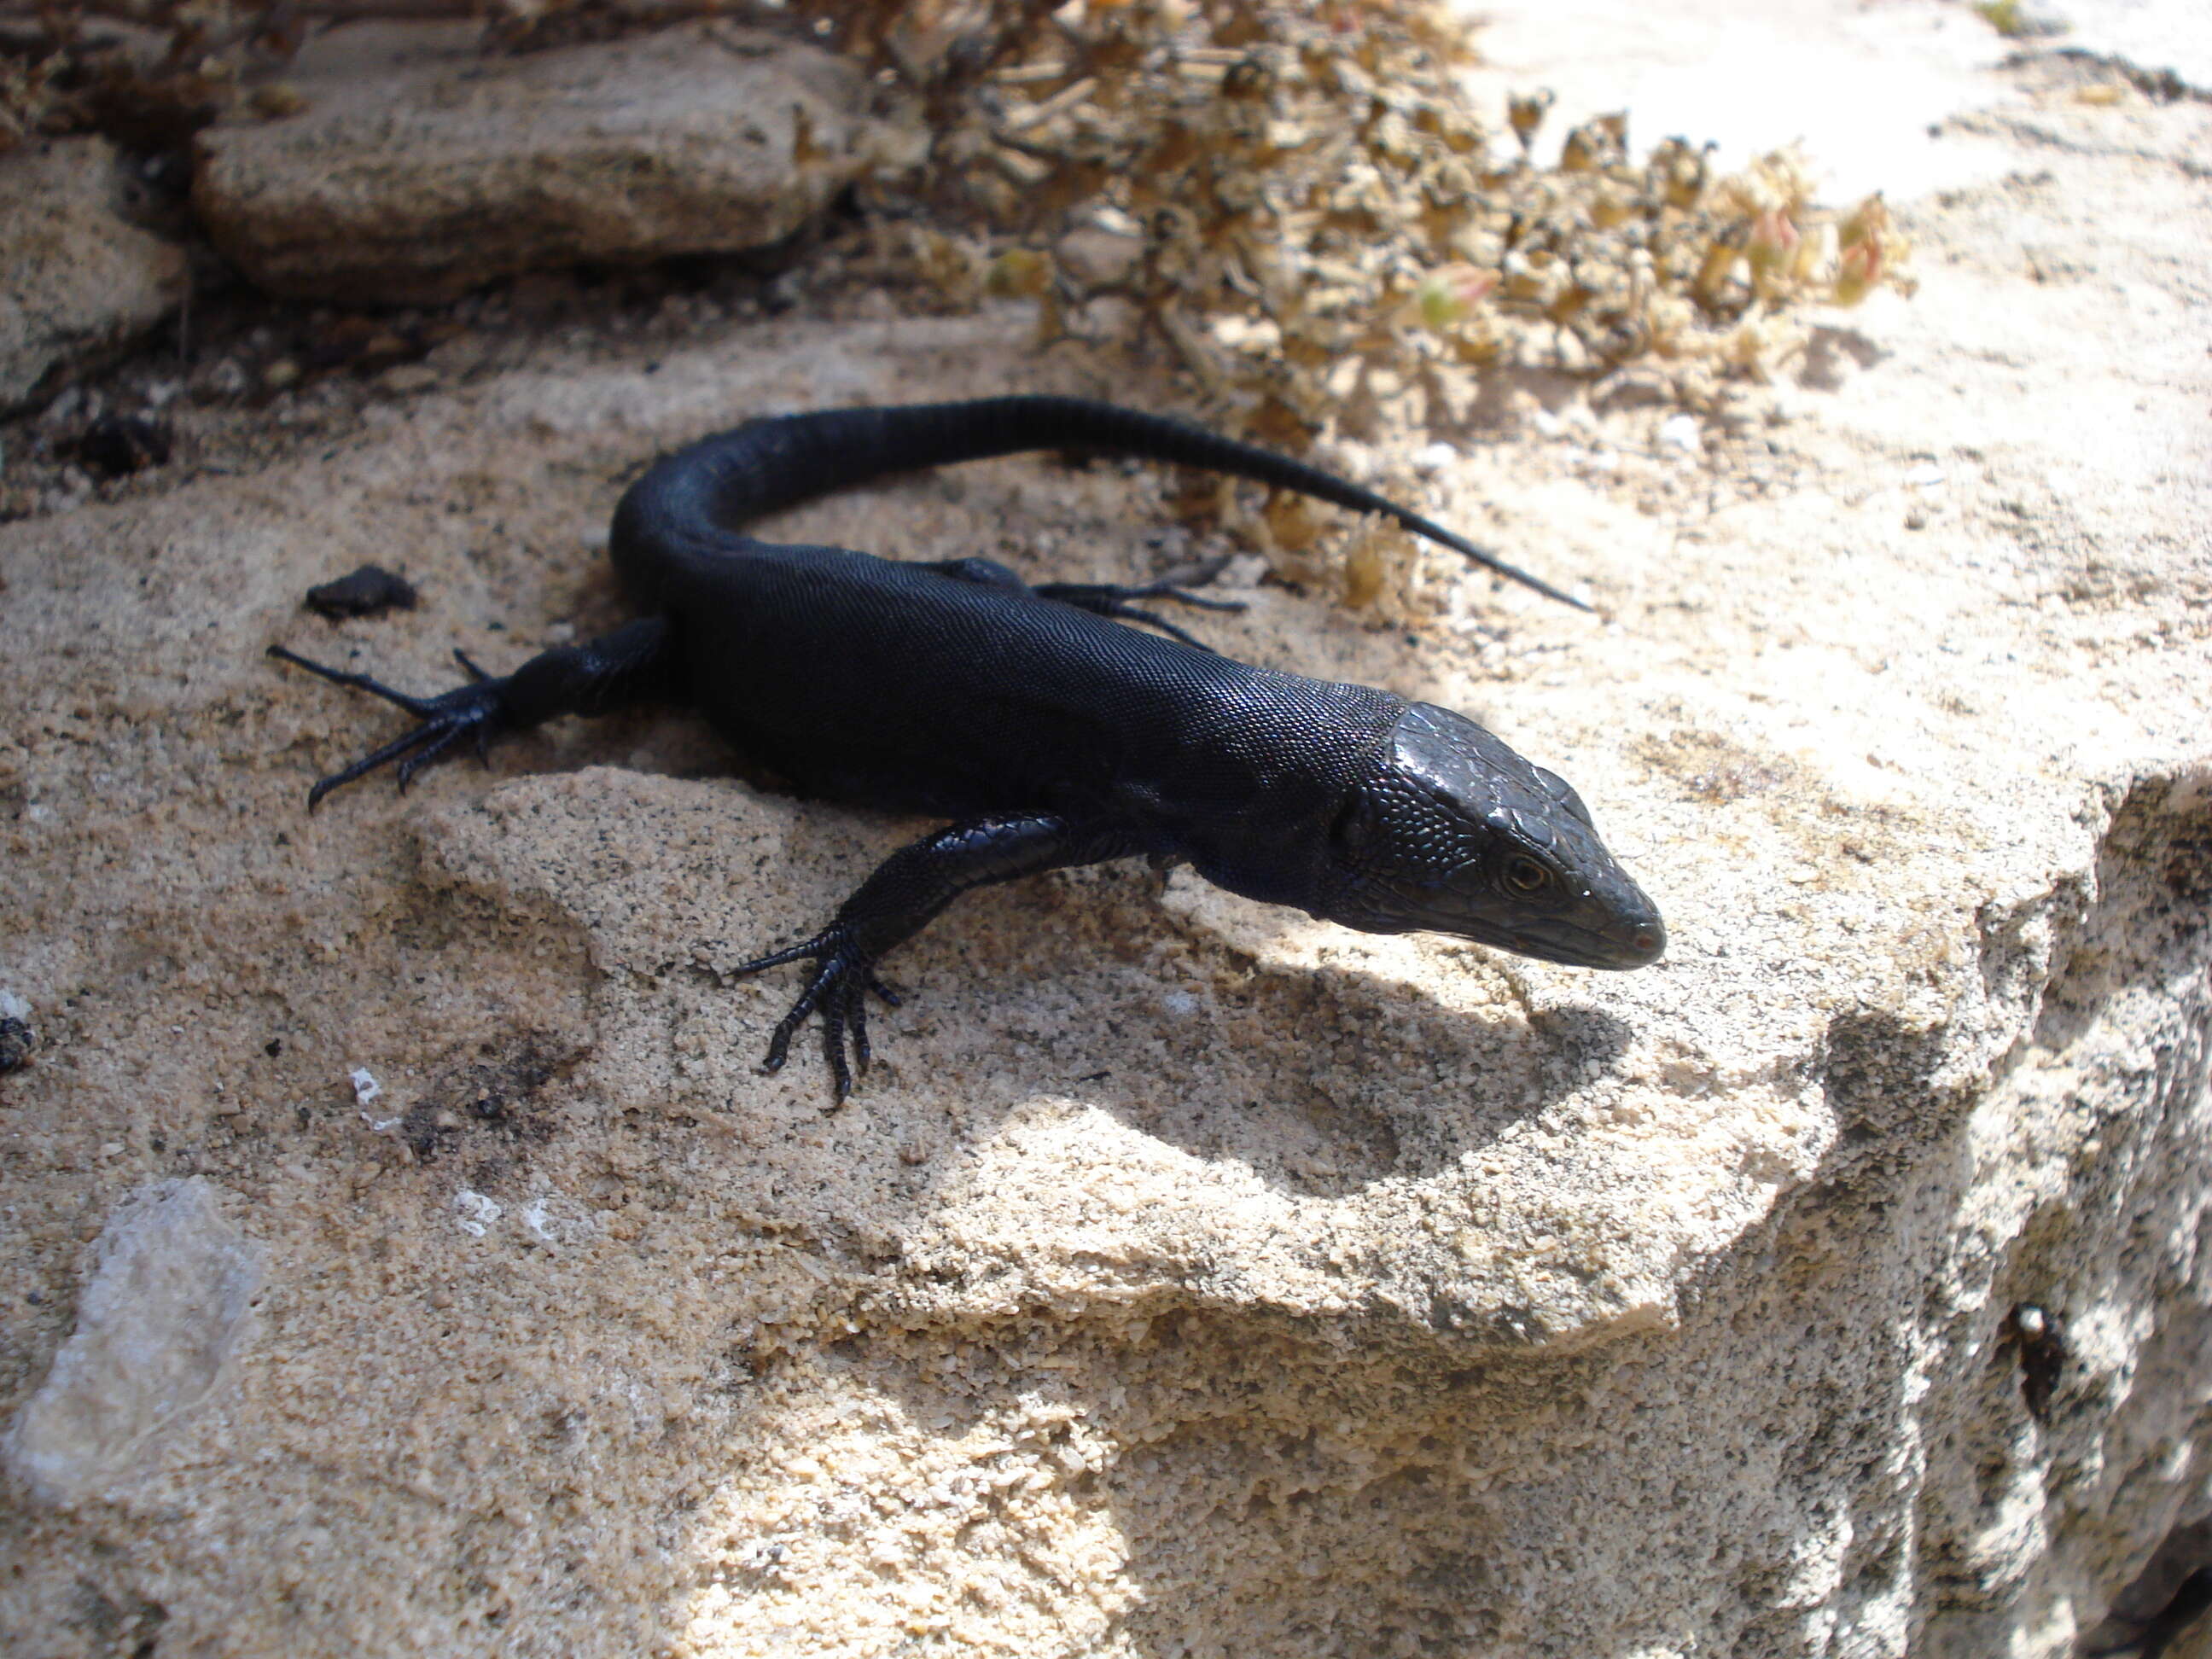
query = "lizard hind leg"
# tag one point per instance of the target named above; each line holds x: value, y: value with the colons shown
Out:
x: 472, y: 711
x: 1111, y: 599
x: 632, y: 665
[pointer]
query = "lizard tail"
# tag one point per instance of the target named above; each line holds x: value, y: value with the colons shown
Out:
x: 775, y: 462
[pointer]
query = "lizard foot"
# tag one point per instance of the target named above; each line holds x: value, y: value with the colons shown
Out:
x: 1111, y: 599
x: 843, y: 974
x: 476, y: 711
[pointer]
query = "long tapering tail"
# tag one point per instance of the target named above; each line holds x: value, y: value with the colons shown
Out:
x: 777, y: 461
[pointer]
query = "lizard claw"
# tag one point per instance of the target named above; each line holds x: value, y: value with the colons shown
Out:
x: 1111, y: 599
x: 838, y: 988
x: 476, y: 711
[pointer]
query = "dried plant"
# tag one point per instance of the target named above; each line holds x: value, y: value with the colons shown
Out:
x: 1300, y: 202
x: 1297, y: 200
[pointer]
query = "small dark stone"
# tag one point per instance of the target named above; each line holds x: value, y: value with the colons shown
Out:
x: 364, y: 343
x: 16, y: 1045
x: 115, y: 444
x: 367, y: 591
x: 273, y: 1047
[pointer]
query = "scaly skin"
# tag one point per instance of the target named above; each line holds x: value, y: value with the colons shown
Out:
x: 1051, y: 733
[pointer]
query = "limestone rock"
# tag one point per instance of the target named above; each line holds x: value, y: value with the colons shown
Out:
x: 77, y: 280
x: 419, y: 168
x: 168, y: 1303
x: 1187, y: 1277
x: 1183, y: 1266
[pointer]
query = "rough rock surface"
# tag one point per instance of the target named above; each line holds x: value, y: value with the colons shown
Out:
x: 419, y: 168
x: 1189, y: 1277
x: 77, y: 280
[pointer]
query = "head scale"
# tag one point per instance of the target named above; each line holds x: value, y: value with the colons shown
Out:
x: 1454, y: 833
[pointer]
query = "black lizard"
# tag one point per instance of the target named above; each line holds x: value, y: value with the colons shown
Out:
x: 1053, y: 734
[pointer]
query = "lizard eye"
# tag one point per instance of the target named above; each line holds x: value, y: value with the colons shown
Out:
x: 1525, y: 875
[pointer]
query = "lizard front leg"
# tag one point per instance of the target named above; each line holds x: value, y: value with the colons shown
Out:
x: 903, y: 896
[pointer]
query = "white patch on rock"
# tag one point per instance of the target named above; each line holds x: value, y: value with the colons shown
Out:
x: 478, y: 1213
x: 168, y: 1303
x: 367, y: 1089
x: 554, y: 1219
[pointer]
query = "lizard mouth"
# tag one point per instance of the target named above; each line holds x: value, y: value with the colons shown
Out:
x: 1620, y: 933
x: 1624, y: 943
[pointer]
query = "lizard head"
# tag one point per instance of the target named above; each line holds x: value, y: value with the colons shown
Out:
x: 1454, y: 833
